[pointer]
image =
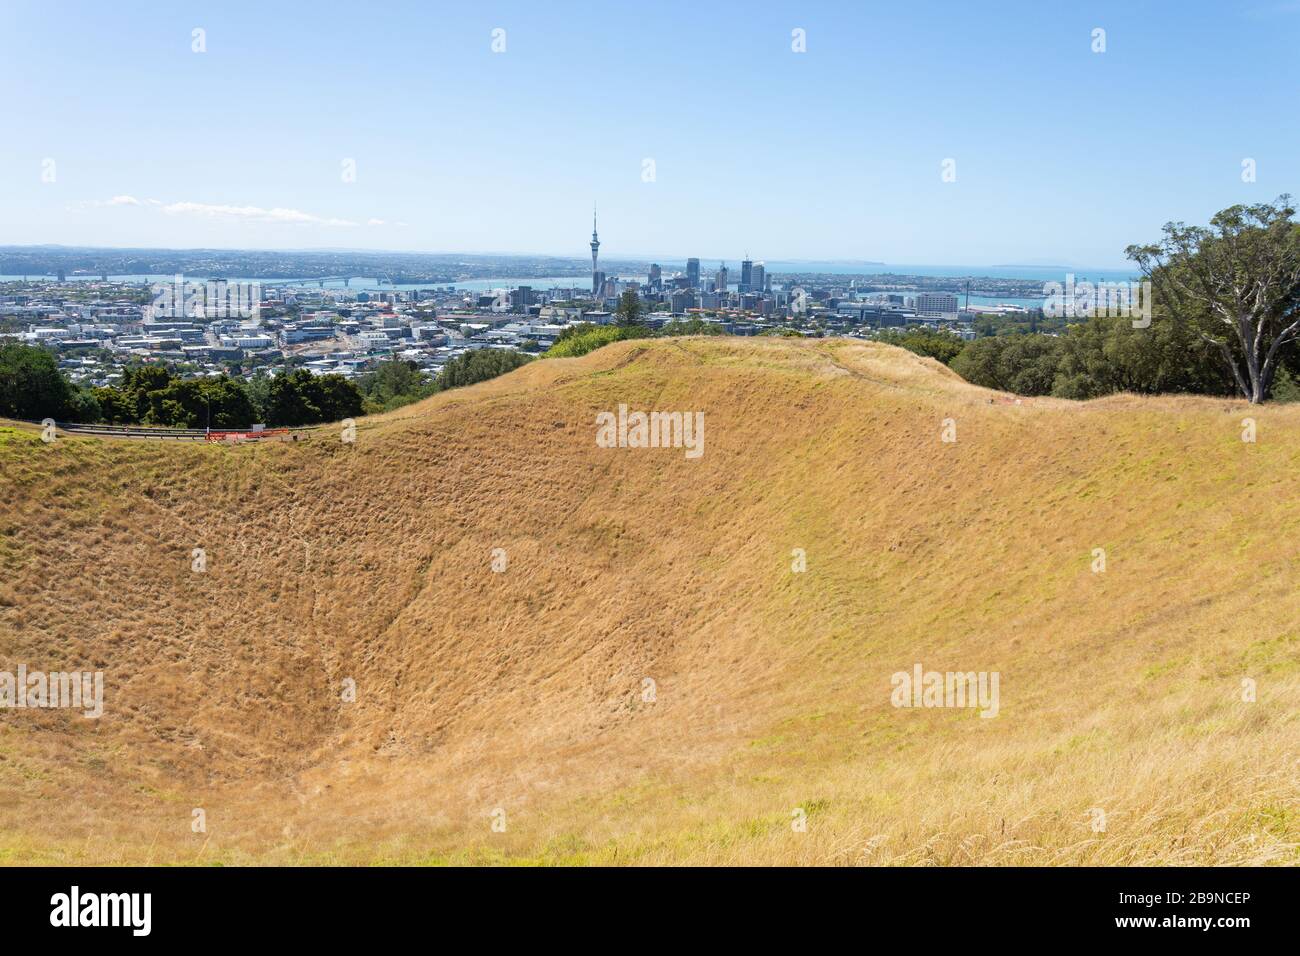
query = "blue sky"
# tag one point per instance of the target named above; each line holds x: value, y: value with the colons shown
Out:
x: 1062, y: 155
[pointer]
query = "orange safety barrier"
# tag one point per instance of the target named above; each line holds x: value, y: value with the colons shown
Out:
x: 279, y: 433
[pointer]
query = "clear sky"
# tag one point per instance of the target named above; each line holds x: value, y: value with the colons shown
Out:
x: 1062, y: 155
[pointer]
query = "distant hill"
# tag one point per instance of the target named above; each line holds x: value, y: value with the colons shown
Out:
x: 647, y: 680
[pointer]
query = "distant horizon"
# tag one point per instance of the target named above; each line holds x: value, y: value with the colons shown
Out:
x: 610, y: 257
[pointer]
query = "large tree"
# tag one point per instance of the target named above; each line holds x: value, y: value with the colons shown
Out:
x: 1237, y: 282
x: 31, y: 386
x: 301, y: 398
x: 629, y: 309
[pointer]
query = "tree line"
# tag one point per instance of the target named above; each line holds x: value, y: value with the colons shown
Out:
x: 1225, y: 321
x: 32, y: 387
x: 583, y: 337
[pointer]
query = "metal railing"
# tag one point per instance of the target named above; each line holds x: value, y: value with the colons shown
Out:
x: 176, y: 434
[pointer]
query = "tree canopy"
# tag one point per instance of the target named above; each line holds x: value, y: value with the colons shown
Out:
x: 31, y: 385
x: 478, y: 365
x: 629, y: 309
x: 1236, y: 283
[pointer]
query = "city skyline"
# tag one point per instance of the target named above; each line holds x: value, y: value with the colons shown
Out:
x: 243, y: 128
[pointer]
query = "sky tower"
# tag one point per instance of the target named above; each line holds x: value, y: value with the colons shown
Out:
x: 595, y: 253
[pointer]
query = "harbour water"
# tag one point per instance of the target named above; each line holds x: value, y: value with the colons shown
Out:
x: 372, y: 284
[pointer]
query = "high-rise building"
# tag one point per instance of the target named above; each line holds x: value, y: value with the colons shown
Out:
x: 656, y: 277
x: 597, y: 278
x: 746, y: 274
x: 757, y: 277
x: 720, y: 280
x: 693, y: 273
x: 682, y: 300
x: 936, y: 302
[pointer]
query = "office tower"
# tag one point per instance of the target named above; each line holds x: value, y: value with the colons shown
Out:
x: 693, y: 273
x: 596, y: 276
x: 682, y: 300
x: 746, y: 274
x: 756, y: 277
x: 936, y: 302
x: 720, y: 280
x: 656, y: 277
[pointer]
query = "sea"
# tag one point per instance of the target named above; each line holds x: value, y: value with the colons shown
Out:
x: 373, y: 284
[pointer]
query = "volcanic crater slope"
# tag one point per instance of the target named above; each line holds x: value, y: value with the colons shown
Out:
x: 475, y: 635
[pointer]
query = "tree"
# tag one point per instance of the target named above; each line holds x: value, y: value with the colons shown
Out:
x: 31, y: 385
x: 478, y: 366
x: 288, y: 402
x: 1237, y: 283
x: 301, y: 398
x: 1030, y: 363
x: 114, y: 406
x: 629, y: 309
x: 259, y: 393
x: 84, y: 406
x: 943, y: 346
x: 1105, y: 354
x: 1021, y: 364
x: 979, y: 363
x: 337, y: 398
x: 138, y: 383
x: 153, y: 395
x: 585, y: 337
x: 219, y: 402
x: 394, y: 383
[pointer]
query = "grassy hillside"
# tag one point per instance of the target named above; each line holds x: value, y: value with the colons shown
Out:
x: 521, y: 692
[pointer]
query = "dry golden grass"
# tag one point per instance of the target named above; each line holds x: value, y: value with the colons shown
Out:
x: 522, y: 690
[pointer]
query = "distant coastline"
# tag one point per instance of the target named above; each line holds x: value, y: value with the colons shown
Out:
x: 401, y: 269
